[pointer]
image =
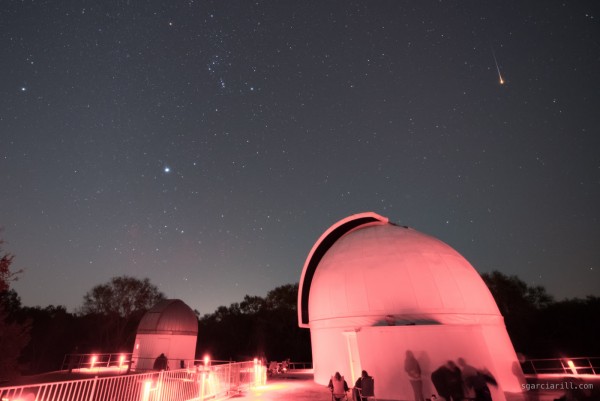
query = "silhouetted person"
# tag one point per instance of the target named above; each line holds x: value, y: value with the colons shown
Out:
x: 477, y: 380
x: 72, y: 362
x: 365, y: 384
x: 74, y: 358
x: 455, y: 382
x: 161, y: 362
x: 447, y: 380
x: 338, y: 386
x: 439, y: 378
x: 413, y: 370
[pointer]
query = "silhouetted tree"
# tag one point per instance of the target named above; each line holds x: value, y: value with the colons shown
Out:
x: 116, y: 308
x: 224, y: 334
x: 283, y: 297
x: 53, y: 333
x: 286, y: 339
x: 541, y: 327
x: 569, y: 328
x: 14, y: 335
x: 520, y: 304
x: 256, y: 327
x: 10, y: 301
x: 121, y: 296
x: 513, y: 295
x: 6, y: 274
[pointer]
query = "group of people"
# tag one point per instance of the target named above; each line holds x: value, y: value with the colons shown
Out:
x: 362, y: 388
x: 278, y: 367
x: 450, y: 380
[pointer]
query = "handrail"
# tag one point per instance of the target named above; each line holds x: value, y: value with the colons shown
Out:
x: 195, y: 383
x: 562, y: 366
x: 96, y: 360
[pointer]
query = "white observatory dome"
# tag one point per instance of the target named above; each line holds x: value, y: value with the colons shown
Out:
x: 171, y: 328
x: 377, y: 269
x: 171, y: 316
x: 372, y: 291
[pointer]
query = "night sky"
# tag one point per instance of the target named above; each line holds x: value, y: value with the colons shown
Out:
x: 207, y: 145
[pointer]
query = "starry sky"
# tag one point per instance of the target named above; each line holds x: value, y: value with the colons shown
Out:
x: 207, y: 145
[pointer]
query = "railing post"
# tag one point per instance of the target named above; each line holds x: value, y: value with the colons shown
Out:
x: 146, y: 388
x: 199, y: 381
x: 229, y: 378
x: 93, y: 388
x: 159, y: 385
x: 203, y: 383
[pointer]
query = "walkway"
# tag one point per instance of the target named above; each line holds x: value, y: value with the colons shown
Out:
x: 303, y: 388
x: 292, y: 387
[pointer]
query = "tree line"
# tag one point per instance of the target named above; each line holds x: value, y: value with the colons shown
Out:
x: 542, y: 327
x: 35, y: 339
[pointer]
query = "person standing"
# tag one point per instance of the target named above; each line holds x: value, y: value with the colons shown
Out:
x: 161, y: 363
x: 361, y: 385
x: 413, y: 370
x: 477, y: 380
x: 455, y: 382
x: 338, y: 386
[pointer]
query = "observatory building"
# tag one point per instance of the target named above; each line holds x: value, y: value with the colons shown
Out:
x: 169, y: 328
x: 370, y: 291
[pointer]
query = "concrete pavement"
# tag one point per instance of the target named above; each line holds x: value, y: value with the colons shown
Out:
x: 290, y: 387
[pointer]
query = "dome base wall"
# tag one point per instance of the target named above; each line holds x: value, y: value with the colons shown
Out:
x: 382, y: 350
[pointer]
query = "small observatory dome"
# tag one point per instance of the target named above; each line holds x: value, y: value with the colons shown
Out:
x: 171, y: 316
x: 377, y: 269
x: 171, y: 328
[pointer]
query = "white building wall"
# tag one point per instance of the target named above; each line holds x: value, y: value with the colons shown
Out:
x: 330, y: 355
x: 382, y: 351
x: 176, y: 348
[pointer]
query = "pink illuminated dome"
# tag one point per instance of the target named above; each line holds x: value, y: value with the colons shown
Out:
x: 171, y: 328
x: 366, y: 270
x: 170, y: 316
x: 370, y: 291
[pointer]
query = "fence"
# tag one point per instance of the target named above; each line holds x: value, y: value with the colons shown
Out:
x: 198, y: 383
x: 96, y: 361
x: 300, y: 366
x: 562, y: 366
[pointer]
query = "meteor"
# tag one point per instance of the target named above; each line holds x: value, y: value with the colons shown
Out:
x: 498, y: 68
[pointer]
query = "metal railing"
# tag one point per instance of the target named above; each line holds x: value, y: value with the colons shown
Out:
x: 197, y: 383
x: 288, y: 367
x: 562, y: 366
x: 300, y: 365
x: 96, y: 361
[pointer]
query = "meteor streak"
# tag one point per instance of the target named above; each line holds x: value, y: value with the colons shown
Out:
x: 498, y: 68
